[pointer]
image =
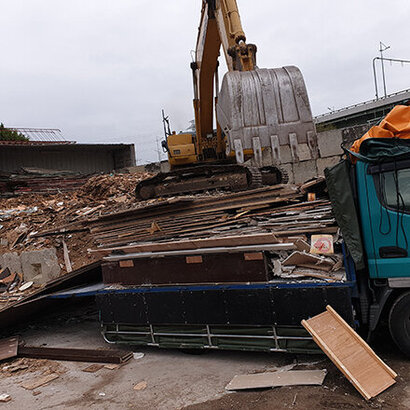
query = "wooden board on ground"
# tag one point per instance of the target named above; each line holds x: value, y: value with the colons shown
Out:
x: 350, y: 353
x: 277, y: 379
x: 8, y: 347
x: 93, y: 368
x: 41, y: 381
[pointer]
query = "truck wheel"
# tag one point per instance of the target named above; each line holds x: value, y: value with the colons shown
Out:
x: 399, y: 323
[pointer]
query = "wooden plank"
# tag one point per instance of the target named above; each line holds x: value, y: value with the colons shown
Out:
x: 75, y: 355
x: 8, y: 347
x: 255, y: 239
x: 93, y: 368
x: 126, y: 264
x: 277, y: 379
x: 253, y: 256
x: 67, y: 258
x: 194, y: 259
x: 41, y: 381
x: 350, y: 353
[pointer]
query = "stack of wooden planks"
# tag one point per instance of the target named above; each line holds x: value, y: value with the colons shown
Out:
x: 280, y: 210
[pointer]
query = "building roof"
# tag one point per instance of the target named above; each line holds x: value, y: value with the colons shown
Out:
x: 360, y: 109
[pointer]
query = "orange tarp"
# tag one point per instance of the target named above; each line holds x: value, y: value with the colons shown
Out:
x: 396, y: 124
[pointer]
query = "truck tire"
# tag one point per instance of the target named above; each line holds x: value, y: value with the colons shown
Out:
x: 399, y: 323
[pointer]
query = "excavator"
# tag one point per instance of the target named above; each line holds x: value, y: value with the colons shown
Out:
x: 258, y: 111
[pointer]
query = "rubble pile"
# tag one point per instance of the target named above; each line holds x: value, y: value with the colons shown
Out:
x: 120, y: 186
x: 33, y: 224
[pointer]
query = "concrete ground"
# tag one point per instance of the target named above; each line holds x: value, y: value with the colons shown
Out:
x: 175, y: 379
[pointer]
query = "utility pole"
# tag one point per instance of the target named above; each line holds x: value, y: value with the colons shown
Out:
x: 383, y: 48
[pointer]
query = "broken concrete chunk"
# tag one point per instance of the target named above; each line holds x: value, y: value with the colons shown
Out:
x: 12, y: 261
x: 40, y: 266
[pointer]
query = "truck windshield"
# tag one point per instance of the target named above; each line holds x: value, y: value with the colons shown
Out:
x: 396, y: 189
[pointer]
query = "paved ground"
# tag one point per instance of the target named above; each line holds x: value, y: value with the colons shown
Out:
x: 177, y: 380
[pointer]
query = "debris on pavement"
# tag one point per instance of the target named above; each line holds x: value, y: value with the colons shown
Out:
x: 4, y: 398
x: 140, y: 386
x: 40, y: 381
x: 93, y: 368
x: 277, y: 379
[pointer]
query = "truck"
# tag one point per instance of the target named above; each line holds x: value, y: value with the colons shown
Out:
x: 370, y: 196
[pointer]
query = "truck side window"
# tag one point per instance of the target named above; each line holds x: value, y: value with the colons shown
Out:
x: 389, y: 188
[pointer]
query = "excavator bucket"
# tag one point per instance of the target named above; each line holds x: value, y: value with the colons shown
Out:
x: 266, y: 108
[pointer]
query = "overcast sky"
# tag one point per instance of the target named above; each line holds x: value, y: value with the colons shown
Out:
x: 102, y: 70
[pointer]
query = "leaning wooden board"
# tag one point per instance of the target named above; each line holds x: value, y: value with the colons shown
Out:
x: 350, y: 353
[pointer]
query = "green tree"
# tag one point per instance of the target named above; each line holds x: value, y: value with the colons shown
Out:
x: 7, y: 134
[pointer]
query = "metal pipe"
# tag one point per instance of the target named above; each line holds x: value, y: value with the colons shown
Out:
x: 375, y: 77
x: 383, y: 73
x: 382, y: 59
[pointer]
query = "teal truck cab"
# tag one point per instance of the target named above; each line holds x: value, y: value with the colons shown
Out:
x: 371, y: 202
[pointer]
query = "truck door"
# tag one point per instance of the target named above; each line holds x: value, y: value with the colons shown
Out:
x: 384, y: 196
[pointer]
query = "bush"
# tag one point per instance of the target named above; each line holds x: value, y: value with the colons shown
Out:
x: 7, y: 134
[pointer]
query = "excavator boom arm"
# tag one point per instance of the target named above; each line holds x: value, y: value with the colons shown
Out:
x: 220, y: 24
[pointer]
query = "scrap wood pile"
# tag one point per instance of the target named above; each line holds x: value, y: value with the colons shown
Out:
x: 33, y: 222
x: 238, y: 219
x: 39, y: 181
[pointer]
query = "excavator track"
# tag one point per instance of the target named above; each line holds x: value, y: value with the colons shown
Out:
x: 207, y: 178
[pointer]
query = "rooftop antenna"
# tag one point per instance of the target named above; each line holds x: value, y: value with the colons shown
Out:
x: 383, y: 48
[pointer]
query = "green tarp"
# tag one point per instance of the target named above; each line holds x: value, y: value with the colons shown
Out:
x: 344, y: 209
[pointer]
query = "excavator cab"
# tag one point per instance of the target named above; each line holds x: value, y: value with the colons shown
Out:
x: 181, y: 149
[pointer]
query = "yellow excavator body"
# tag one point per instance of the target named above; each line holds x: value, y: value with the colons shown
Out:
x: 181, y: 150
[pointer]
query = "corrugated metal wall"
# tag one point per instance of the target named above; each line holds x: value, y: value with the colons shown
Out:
x: 80, y: 158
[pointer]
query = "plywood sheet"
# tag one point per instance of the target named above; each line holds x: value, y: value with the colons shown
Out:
x: 277, y: 379
x: 350, y: 353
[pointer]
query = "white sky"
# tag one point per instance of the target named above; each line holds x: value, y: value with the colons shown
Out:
x: 102, y: 70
